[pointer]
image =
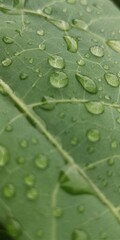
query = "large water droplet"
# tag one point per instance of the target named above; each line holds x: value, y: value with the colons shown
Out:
x: 32, y: 193
x: 42, y: 46
x: 56, y: 61
x: 97, y: 51
x: 72, y: 182
x: 48, y: 103
x: 23, y: 76
x: 112, y: 79
x: 29, y: 180
x: 3, y: 156
x: 40, y: 32
x: 79, y: 234
x: 80, y: 24
x: 81, y: 62
x: 7, y: 40
x: 93, y: 135
x: 87, y: 83
x: 9, y: 190
x: 41, y: 162
x: 61, y: 24
x: 72, y: 43
x: 6, y: 62
x: 114, y: 44
x: 13, y: 228
x: 59, y: 79
x: 94, y: 107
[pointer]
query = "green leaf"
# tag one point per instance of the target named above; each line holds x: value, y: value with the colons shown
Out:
x: 59, y: 120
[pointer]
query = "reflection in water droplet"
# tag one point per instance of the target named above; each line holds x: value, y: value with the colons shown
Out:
x: 47, y: 10
x: 29, y: 180
x: 57, y: 212
x: 81, y: 62
x: 24, y: 143
x: 41, y: 162
x: 23, y: 76
x: 32, y: 194
x: 40, y: 32
x: 94, y: 107
x: 59, y: 79
x: 6, y: 62
x: 72, y: 43
x: 56, y: 61
x: 60, y: 24
x: 3, y: 156
x: 72, y: 182
x: 80, y: 24
x: 114, y: 44
x: 9, y: 190
x: 97, y: 51
x: 42, y: 46
x: 7, y: 40
x: 93, y: 135
x: 79, y: 234
x: 112, y: 79
x: 13, y: 228
x: 87, y: 83
x: 48, y: 103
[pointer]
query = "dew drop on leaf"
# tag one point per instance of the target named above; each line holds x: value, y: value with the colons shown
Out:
x: 56, y: 61
x: 74, y: 141
x: 20, y: 160
x: 4, y: 157
x: 24, y: 143
x: 9, y: 128
x: 57, y: 212
x: 9, y: 190
x: 111, y: 79
x: 29, y: 180
x: 32, y: 193
x: 7, y: 40
x: 42, y: 46
x: 59, y: 79
x: 48, y: 103
x: 80, y: 24
x: 79, y: 234
x: 84, y: 2
x: 6, y: 62
x: 118, y: 120
x: 40, y: 32
x: 39, y: 233
x: 97, y: 51
x: 87, y: 83
x: 71, y: 1
x: 41, y: 162
x: 114, y: 144
x: 111, y: 161
x: 60, y: 24
x: 93, y: 135
x: 23, y: 76
x: 13, y: 227
x: 47, y: 10
x: 114, y: 44
x: 94, y: 107
x: 81, y: 62
x: 81, y: 209
x: 72, y: 43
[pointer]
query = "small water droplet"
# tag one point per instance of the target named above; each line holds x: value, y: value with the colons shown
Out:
x: 103, y: 236
x: 111, y: 161
x: 118, y: 120
x: 24, y: 143
x: 74, y: 141
x: 106, y: 67
x: 62, y: 114
x: 6, y: 62
x: 48, y: 103
x: 114, y: 144
x: 79, y: 234
x: 23, y: 76
x: 81, y: 62
x: 59, y: 79
x: 93, y: 135
x: 94, y: 107
x: 32, y: 193
x: 60, y: 24
x: 80, y: 24
x: 8, y: 128
x: 29, y: 180
x: 41, y: 162
x: 9, y: 190
x: 56, y: 61
x: 47, y: 10
x: 13, y: 228
x: 7, y: 40
x: 111, y: 79
x: 57, y: 212
x: 20, y: 160
x: 81, y: 209
x: 39, y: 233
x: 71, y: 1
x: 42, y: 46
x: 72, y: 182
x: 3, y: 156
x: 114, y: 44
x: 87, y: 83
x: 84, y: 2
x: 72, y: 43
x: 31, y: 60
x: 97, y: 51
x: 34, y: 141
x: 40, y: 32
x: 88, y: 9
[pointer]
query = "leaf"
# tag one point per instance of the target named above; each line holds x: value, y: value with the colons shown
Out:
x: 59, y: 120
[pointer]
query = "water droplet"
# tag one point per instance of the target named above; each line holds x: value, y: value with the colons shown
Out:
x: 97, y: 51
x: 3, y: 156
x: 47, y: 10
x: 72, y: 43
x: 118, y: 120
x: 80, y: 24
x: 111, y: 161
x: 39, y: 233
x: 34, y: 141
x: 20, y: 160
x: 42, y: 46
x: 88, y: 9
x: 71, y: 1
x: 106, y: 67
x: 41, y: 162
x: 72, y: 182
x: 61, y: 24
x: 94, y: 107
x: 24, y: 143
x: 8, y: 128
x: 29, y: 180
x: 81, y: 62
x: 40, y: 32
x: 79, y: 234
x: 56, y: 61
x: 114, y: 144
x: 81, y: 209
x: 62, y: 115
x: 83, y: 2
x: 59, y: 79
x: 13, y: 228
x: 57, y: 212
x: 9, y: 190
x: 93, y: 135
x: 7, y: 40
x: 103, y: 236
x: 87, y: 83
x: 6, y: 62
x: 114, y: 44
x: 32, y: 194
x: 112, y: 79
x: 74, y: 141
x: 31, y: 60
x: 23, y: 76
x: 48, y: 103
